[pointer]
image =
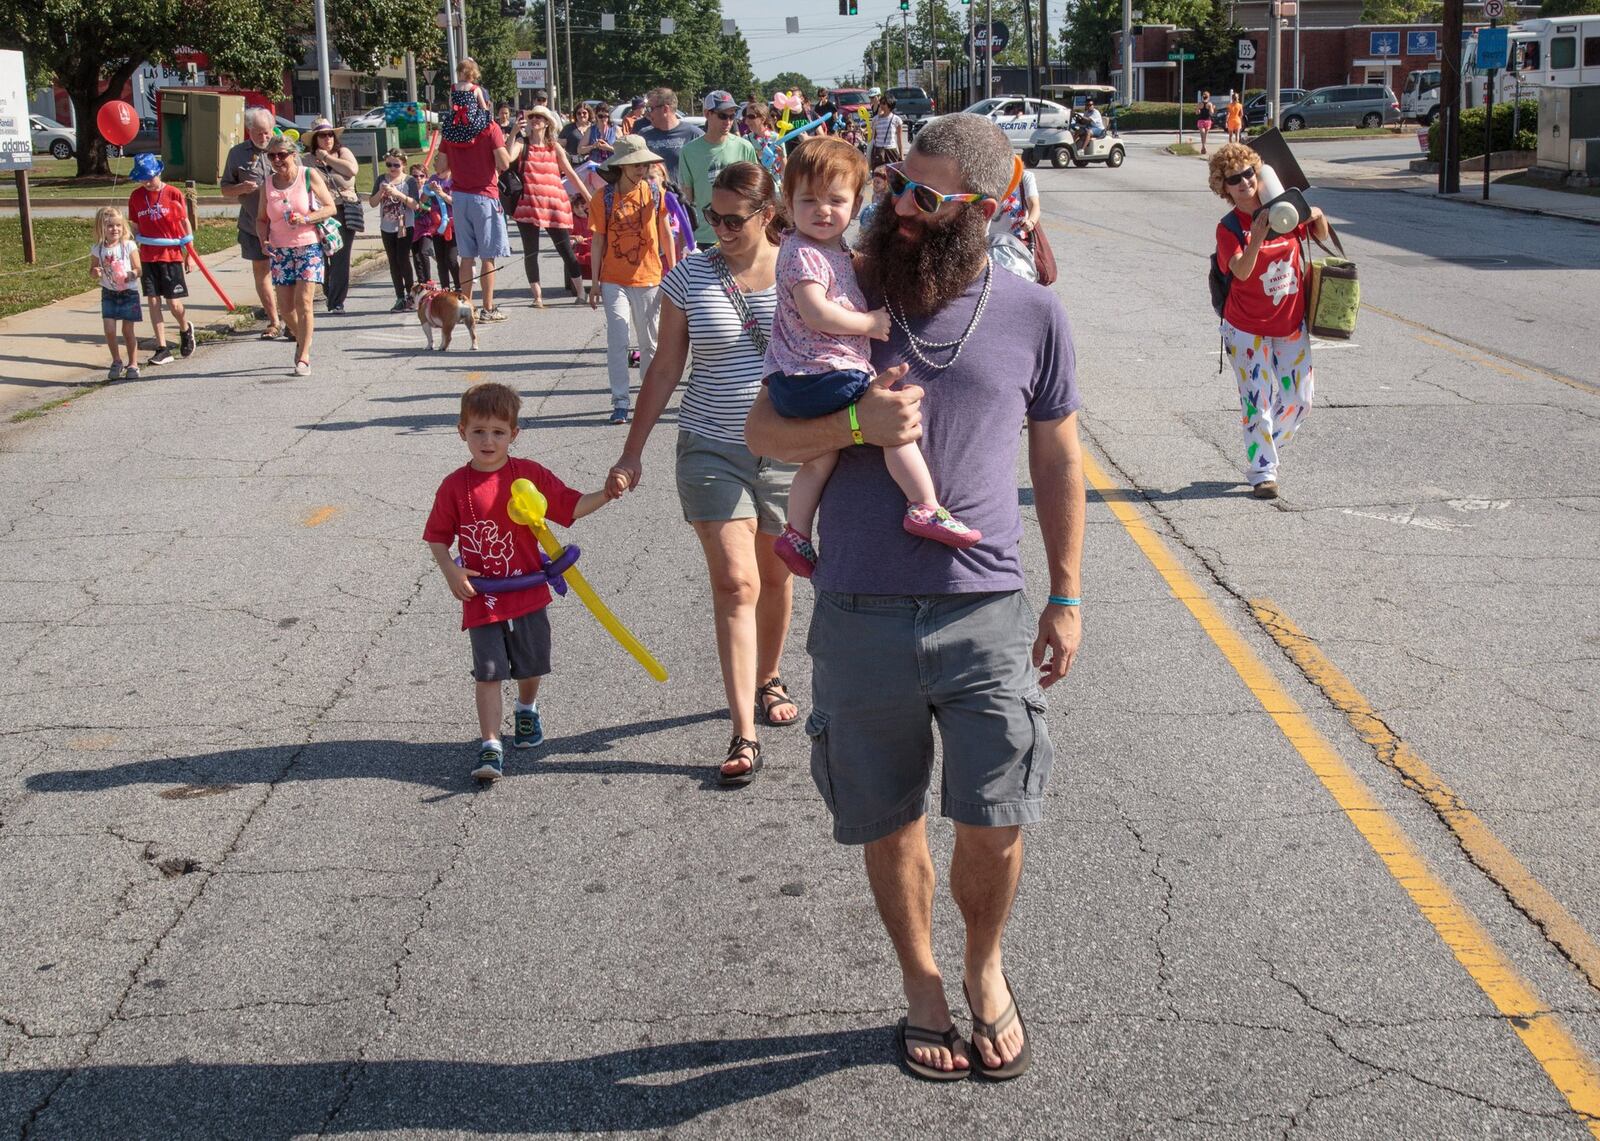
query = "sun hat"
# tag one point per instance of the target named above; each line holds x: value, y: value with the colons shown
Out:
x: 874, y: 92
x: 321, y: 127
x: 630, y: 151
x: 146, y: 167
x: 468, y: 117
x: 548, y: 116
x: 718, y: 101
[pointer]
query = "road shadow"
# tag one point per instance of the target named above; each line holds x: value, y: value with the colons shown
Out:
x: 1200, y: 489
x: 455, y: 397
x: 644, y: 1088
x: 439, y: 765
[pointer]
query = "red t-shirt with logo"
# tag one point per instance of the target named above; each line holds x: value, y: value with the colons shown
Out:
x: 162, y: 215
x: 472, y: 169
x: 1271, y: 302
x: 469, y: 510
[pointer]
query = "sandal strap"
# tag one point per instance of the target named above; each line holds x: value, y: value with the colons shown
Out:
x: 775, y: 688
x: 993, y: 1030
x: 947, y: 1039
x: 737, y: 750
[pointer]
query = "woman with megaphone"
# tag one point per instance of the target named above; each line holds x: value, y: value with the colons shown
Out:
x: 1261, y: 259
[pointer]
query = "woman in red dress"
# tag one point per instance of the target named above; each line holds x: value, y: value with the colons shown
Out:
x: 545, y: 203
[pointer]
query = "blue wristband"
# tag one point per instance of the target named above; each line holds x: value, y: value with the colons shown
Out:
x: 1057, y: 600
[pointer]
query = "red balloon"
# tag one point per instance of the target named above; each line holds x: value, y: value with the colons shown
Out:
x: 118, y: 123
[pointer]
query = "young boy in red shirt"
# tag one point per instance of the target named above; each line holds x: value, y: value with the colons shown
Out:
x: 156, y: 210
x: 510, y: 632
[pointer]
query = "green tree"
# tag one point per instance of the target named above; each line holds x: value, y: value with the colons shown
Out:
x: 1088, y: 36
x: 636, y: 56
x: 787, y: 81
x: 93, y: 47
x: 1213, y: 41
x: 1402, y: 11
x: 731, y: 71
x: 491, y: 38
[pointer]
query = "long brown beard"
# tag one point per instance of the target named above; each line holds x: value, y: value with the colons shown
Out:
x: 924, y: 274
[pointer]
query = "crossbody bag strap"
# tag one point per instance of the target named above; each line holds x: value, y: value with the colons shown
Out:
x: 752, y: 327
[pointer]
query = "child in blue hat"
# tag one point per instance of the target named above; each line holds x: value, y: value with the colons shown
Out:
x: 160, y: 220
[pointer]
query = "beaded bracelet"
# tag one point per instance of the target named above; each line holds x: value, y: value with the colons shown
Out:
x: 1058, y: 600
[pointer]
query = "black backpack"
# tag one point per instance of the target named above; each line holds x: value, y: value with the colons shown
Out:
x: 1221, y: 280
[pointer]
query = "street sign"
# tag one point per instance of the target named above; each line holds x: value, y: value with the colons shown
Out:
x: 997, y: 33
x: 1177, y: 56
x: 1422, y: 43
x: 1494, y: 9
x: 530, y: 73
x: 1494, y: 44
x: 1247, y: 49
x: 1245, y: 67
x: 16, y: 134
x: 1384, y: 43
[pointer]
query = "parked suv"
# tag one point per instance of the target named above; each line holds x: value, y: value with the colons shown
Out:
x: 911, y: 103
x: 1366, y: 105
x: 1255, y: 108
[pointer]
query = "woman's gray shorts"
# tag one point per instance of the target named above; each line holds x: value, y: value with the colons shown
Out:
x: 885, y: 669
x: 718, y: 482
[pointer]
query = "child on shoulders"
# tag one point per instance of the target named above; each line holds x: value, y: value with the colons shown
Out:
x: 510, y: 631
x: 817, y: 359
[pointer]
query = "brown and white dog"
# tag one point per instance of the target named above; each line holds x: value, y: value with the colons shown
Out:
x: 443, y: 309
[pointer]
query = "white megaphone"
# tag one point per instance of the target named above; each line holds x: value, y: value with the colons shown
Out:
x: 1285, y: 209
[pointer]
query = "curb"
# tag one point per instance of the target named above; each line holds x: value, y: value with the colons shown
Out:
x: 1532, y: 210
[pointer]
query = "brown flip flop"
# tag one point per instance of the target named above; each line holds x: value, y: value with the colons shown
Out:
x: 948, y: 1039
x: 992, y: 1030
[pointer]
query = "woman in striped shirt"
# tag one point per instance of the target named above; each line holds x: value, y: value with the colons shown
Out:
x: 720, y: 302
x: 544, y: 204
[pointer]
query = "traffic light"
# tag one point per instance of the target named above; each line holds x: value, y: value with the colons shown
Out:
x: 853, y: 7
x: 847, y: 7
x: 905, y: 5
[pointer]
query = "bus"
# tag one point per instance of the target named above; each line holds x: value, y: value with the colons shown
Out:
x: 1562, y: 52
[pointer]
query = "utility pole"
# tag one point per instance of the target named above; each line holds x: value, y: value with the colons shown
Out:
x: 933, y: 44
x: 571, y: 72
x: 1127, y: 51
x: 905, y: 44
x: 1298, y: 86
x: 1450, y: 100
x: 972, y: 54
x: 324, y: 91
x: 1027, y: 26
x: 887, y: 20
x: 411, y: 77
x: 551, y: 44
x: 464, y: 52
x: 1274, y: 61
x: 988, y: 54
x: 1044, y: 45
x: 450, y: 40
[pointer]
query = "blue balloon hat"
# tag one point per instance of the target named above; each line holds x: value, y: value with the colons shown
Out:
x: 146, y: 167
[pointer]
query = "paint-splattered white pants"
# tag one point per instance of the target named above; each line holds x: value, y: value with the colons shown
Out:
x: 1276, y: 383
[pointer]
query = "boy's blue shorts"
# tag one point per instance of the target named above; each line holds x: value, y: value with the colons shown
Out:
x: 119, y: 304
x: 807, y: 397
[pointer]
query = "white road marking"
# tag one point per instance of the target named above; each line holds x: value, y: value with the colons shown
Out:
x: 1408, y: 519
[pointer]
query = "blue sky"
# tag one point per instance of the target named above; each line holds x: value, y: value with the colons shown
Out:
x: 828, y: 44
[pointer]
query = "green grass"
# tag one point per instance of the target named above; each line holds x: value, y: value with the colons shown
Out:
x: 58, y: 178
x: 1332, y: 133
x: 67, y: 240
x: 1183, y: 150
x: 51, y: 405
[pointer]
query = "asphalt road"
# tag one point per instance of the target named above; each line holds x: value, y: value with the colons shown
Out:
x: 250, y: 891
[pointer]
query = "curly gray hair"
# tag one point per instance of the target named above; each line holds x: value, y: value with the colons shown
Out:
x: 981, y: 150
x: 260, y: 117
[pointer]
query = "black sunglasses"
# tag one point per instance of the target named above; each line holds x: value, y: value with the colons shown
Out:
x: 1236, y: 179
x: 733, y: 223
x: 726, y: 116
x: 279, y: 156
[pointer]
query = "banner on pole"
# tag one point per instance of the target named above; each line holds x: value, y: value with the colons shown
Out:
x: 16, y: 134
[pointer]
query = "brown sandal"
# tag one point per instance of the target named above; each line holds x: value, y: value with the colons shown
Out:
x: 779, y: 692
x: 740, y: 748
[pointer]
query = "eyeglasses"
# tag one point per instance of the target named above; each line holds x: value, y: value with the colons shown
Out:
x: 927, y: 199
x: 733, y: 223
x: 1235, y: 179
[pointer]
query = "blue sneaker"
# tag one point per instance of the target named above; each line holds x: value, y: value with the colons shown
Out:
x: 529, y: 729
x: 491, y: 763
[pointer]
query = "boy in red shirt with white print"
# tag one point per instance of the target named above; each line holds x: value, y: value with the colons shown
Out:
x: 510, y: 632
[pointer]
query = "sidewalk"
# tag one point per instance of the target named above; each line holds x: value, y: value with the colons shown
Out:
x: 1526, y: 200
x: 49, y: 352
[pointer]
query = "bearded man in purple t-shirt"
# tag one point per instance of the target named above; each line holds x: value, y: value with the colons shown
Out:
x: 908, y: 634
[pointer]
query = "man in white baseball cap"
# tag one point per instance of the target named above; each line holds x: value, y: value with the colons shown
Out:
x: 702, y: 160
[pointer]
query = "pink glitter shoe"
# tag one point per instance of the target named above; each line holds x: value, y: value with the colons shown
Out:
x: 796, y: 551
x: 939, y: 525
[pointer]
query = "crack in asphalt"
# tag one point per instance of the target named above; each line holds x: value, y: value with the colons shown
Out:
x: 204, y: 875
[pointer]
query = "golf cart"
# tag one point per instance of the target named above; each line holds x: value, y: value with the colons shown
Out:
x: 1077, y: 142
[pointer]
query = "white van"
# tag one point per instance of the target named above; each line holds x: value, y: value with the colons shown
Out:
x: 1420, y: 99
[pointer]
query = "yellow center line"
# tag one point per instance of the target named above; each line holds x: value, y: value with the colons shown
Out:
x: 320, y: 516
x: 1544, y: 1035
x: 1477, y: 840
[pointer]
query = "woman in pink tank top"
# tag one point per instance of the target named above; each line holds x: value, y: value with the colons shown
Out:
x: 546, y: 202
x: 293, y: 201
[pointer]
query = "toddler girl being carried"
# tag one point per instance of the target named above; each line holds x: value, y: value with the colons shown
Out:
x: 817, y: 360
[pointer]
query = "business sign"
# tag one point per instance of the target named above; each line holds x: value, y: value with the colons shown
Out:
x: 1422, y: 43
x: 992, y: 38
x: 530, y: 73
x: 1384, y: 43
x: 16, y: 135
x: 1494, y: 45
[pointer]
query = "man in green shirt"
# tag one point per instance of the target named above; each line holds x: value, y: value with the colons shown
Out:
x: 703, y: 159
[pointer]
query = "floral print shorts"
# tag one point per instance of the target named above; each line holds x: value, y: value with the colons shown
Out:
x: 296, y: 263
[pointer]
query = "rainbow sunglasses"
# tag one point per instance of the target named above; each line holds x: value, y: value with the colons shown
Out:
x: 929, y: 200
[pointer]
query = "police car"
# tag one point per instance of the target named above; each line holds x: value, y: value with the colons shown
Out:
x: 1020, y: 117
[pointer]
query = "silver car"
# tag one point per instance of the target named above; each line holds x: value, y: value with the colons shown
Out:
x: 1361, y: 105
x: 60, y: 140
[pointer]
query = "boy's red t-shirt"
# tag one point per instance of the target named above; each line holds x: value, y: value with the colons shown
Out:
x: 470, y: 511
x: 1271, y: 302
x: 162, y: 215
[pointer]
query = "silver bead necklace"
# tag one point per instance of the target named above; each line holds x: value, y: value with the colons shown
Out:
x: 916, y: 344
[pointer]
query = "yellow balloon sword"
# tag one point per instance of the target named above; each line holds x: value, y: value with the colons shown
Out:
x: 527, y: 507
